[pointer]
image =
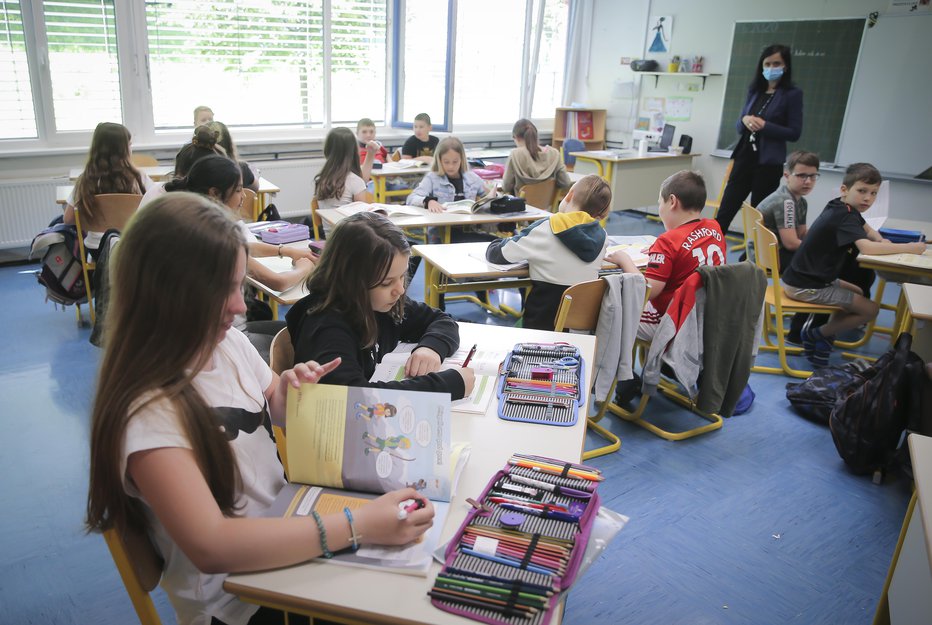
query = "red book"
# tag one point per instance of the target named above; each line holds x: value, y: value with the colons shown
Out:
x: 584, y: 125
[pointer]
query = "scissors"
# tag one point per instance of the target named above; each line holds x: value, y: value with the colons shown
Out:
x: 565, y: 363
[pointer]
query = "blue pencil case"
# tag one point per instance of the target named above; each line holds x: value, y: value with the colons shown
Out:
x: 902, y: 236
x: 541, y: 383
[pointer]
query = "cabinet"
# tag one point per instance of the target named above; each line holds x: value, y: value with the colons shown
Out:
x: 573, y: 123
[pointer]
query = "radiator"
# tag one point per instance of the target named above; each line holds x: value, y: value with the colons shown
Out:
x: 26, y: 207
x: 295, y: 178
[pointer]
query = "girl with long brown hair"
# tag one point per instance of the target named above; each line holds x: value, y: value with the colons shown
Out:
x: 530, y: 163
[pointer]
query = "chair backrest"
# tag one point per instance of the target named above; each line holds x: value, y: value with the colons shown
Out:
x: 249, y: 209
x: 571, y: 145
x: 110, y: 210
x: 281, y: 358
x: 540, y: 194
x: 580, y: 306
x: 144, y: 160
x: 140, y: 567
x: 316, y: 221
x: 765, y: 253
x: 749, y: 217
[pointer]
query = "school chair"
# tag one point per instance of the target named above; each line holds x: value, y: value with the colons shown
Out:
x: 571, y: 145
x: 749, y: 217
x: 717, y: 202
x: 111, y: 210
x: 316, y: 221
x: 540, y: 194
x: 249, y: 209
x: 281, y: 358
x: 143, y: 160
x: 140, y: 567
x: 579, y: 310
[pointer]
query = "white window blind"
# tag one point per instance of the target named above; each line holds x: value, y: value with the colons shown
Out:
x: 548, y: 83
x: 255, y: 62
x: 82, y: 45
x: 358, y: 33
x: 17, y: 115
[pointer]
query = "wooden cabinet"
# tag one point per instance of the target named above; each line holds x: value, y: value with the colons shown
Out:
x: 587, y: 125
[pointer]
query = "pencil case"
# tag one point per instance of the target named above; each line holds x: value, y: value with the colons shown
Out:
x: 902, y: 236
x: 540, y: 383
x: 528, y: 590
x: 286, y: 233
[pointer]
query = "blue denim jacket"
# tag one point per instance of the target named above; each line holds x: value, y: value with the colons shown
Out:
x: 440, y: 187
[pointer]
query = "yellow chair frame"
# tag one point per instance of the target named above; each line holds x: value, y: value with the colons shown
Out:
x: 281, y: 358
x: 140, y: 567
x: 249, y: 209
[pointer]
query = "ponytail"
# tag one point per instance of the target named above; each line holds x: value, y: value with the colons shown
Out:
x: 527, y: 132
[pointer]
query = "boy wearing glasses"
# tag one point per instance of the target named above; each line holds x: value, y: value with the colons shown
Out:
x: 785, y: 209
x: 813, y: 274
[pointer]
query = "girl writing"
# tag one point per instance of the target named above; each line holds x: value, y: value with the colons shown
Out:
x: 340, y: 180
x: 357, y: 311
x: 179, y: 441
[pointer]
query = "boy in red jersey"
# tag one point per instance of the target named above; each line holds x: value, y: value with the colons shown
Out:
x: 689, y: 241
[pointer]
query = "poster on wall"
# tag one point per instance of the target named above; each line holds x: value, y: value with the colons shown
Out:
x: 679, y: 109
x: 660, y: 34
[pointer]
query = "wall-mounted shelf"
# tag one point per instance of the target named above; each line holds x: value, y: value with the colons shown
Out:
x: 657, y: 75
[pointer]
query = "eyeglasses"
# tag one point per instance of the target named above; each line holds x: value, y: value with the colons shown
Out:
x: 812, y: 177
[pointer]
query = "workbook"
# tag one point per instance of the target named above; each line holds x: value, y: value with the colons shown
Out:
x: 635, y: 246
x: 484, y: 362
x: 389, y: 210
x: 467, y: 207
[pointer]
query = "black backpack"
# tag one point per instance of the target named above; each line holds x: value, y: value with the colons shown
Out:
x: 868, y: 422
x: 814, y: 398
x: 61, y: 272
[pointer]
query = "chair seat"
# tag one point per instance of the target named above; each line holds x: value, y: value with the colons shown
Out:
x: 792, y: 305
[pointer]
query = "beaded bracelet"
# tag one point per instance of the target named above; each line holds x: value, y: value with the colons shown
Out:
x: 354, y: 537
x: 323, y: 535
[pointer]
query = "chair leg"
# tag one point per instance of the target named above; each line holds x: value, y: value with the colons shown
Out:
x: 782, y: 349
x: 592, y: 424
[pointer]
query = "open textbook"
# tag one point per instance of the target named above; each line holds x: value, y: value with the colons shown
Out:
x: 484, y: 362
x: 635, y: 246
x: 468, y: 206
x: 389, y: 210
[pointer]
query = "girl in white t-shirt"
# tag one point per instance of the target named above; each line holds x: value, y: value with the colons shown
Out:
x: 180, y: 446
x: 340, y: 180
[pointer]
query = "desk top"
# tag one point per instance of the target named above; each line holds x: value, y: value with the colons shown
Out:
x: 628, y: 156
x: 919, y: 298
x: 62, y: 192
x: 425, y: 218
x: 914, y: 262
x: 489, y: 153
x: 159, y: 172
x: 392, y: 169
x: 920, y: 452
x: 379, y: 597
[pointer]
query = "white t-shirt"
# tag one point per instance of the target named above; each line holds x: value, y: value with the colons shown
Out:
x: 354, y: 184
x: 92, y: 239
x: 152, y: 192
x: 235, y: 385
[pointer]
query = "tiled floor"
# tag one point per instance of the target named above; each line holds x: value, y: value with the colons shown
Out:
x: 756, y: 523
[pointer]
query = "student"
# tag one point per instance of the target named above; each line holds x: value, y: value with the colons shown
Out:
x: 220, y: 179
x: 422, y: 144
x: 225, y: 140
x: 528, y: 163
x: 108, y: 170
x: 561, y: 250
x: 448, y: 180
x: 203, y: 143
x: 688, y: 241
x: 356, y: 310
x: 340, y: 180
x: 203, y: 115
x: 365, y: 135
x: 180, y: 448
x: 813, y: 274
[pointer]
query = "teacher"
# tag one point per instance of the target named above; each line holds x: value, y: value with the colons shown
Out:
x: 772, y: 115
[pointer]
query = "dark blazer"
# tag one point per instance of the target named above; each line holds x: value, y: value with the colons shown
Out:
x: 784, y: 117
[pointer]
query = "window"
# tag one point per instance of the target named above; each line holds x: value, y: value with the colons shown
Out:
x: 358, y: 60
x: 83, y: 66
x: 17, y: 116
x: 548, y: 81
x: 422, y: 82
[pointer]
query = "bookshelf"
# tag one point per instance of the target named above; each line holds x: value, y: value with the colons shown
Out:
x: 562, y: 130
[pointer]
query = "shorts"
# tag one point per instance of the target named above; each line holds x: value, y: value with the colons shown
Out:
x: 646, y: 331
x: 832, y: 295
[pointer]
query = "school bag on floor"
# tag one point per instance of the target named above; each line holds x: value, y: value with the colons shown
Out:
x: 815, y: 397
x: 61, y: 273
x: 868, y: 422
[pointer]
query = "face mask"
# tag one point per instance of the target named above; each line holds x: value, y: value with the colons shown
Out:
x: 772, y: 73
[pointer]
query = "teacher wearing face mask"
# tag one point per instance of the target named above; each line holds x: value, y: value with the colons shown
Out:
x: 772, y: 115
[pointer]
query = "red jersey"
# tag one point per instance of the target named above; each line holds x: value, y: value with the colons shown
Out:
x: 380, y: 156
x: 676, y: 254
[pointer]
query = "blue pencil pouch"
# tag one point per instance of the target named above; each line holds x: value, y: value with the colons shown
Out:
x: 902, y: 236
x: 541, y: 383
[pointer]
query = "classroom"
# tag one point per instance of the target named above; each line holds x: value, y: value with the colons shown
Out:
x: 755, y: 520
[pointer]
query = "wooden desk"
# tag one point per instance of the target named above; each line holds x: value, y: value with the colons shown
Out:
x: 158, y: 173
x: 917, y: 319
x: 635, y: 180
x: 361, y: 595
x: 279, y: 265
x: 426, y: 219
x: 391, y: 170
x: 900, y: 267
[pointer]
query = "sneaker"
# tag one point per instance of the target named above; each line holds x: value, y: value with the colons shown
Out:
x: 822, y: 348
x: 807, y: 339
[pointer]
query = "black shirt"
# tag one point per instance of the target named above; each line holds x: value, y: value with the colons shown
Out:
x: 322, y: 336
x: 414, y: 147
x: 458, y: 193
x: 819, y: 260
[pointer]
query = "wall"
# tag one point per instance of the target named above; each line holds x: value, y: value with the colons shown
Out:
x: 705, y: 28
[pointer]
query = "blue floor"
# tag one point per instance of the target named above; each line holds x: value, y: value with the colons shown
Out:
x: 758, y: 522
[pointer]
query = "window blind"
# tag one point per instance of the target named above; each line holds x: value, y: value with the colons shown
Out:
x: 17, y: 114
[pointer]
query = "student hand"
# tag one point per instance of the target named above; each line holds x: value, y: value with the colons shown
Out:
x: 378, y: 524
x: 916, y: 248
x: 295, y: 253
x: 469, y: 379
x: 308, y: 371
x: 434, y: 206
x: 618, y: 257
x: 372, y: 147
x: 422, y: 361
x: 304, y: 264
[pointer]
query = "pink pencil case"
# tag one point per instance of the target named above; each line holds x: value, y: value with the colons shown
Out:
x: 491, y: 171
x: 287, y: 233
x: 478, y: 571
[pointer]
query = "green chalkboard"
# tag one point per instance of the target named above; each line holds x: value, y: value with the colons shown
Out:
x: 825, y: 53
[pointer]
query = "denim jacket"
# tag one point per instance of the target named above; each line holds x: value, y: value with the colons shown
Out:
x: 440, y: 187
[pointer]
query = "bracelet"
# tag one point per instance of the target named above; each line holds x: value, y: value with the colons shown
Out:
x: 323, y: 535
x: 280, y: 250
x: 354, y: 537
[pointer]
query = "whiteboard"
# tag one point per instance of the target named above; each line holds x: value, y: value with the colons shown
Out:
x: 889, y: 115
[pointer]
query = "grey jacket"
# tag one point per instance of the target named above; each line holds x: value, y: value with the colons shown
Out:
x: 617, y: 330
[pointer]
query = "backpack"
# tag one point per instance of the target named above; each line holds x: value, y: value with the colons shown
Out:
x: 815, y: 397
x: 61, y: 272
x: 868, y: 422
x: 269, y: 213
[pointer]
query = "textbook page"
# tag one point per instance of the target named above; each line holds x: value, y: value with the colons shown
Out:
x: 388, y: 210
x: 635, y: 246
x: 877, y: 214
x: 369, y: 439
x: 484, y: 363
x: 411, y: 559
x: 498, y: 266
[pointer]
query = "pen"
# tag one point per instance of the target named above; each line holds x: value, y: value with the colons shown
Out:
x: 403, y: 512
x: 472, y: 352
x: 553, y: 488
x: 547, y: 514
